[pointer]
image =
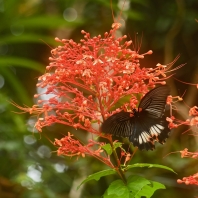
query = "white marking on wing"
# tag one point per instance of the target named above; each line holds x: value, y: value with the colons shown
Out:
x: 157, y: 129
x: 160, y: 126
x: 140, y: 139
x: 144, y: 137
x: 152, y: 131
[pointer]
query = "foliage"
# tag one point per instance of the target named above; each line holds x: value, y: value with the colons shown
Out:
x: 168, y: 29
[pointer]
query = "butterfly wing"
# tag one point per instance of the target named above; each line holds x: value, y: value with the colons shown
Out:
x: 154, y: 101
x: 151, y: 124
x: 148, y: 130
x: 120, y: 124
x: 145, y: 126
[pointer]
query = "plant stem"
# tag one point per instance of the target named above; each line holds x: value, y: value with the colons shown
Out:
x: 119, y: 169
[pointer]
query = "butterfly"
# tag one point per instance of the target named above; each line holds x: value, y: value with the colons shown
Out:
x: 145, y: 125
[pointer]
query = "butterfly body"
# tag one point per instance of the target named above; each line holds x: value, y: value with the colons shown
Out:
x: 145, y: 125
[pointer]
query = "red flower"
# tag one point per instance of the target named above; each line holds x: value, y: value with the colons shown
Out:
x: 191, y: 180
x: 186, y: 153
x: 88, y: 78
x: 68, y: 146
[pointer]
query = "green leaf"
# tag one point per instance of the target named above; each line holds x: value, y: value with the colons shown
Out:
x: 138, y: 16
x: 30, y: 38
x: 6, y: 61
x: 107, y: 148
x: 135, y: 184
x: 136, y: 187
x: 117, y: 145
x: 48, y: 22
x: 109, y: 196
x: 142, y: 165
x: 118, y: 189
x: 16, y: 85
x: 98, y: 175
x: 120, y: 102
x: 148, y: 190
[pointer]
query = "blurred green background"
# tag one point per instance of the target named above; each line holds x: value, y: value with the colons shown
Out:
x: 29, y: 167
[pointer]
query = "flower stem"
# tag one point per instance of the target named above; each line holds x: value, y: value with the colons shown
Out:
x: 118, y: 169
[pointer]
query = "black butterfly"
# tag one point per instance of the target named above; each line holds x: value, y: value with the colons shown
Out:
x: 145, y: 125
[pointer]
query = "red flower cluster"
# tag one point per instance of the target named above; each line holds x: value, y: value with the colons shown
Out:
x: 185, y: 153
x: 191, y: 180
x: 87, y: 79
x: 68, y: 146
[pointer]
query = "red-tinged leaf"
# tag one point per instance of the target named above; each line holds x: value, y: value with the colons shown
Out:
x: 97, y: 176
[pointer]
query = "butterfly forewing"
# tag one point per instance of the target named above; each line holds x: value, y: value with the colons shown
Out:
x: 154, y: 101
x: 119, y: 124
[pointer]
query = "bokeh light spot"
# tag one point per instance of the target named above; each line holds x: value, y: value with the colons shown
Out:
x: 70, y: 14
x: 17, y: 29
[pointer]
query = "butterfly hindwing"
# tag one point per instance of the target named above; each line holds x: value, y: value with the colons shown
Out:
x: 149, y: 130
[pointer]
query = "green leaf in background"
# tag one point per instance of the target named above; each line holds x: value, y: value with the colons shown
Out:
x: 16, y: 85
x: 107, y: 148
x: 29, y: 38
x: 142, y: 165
x: 21, y: 62
x: 49, y: 22
x: 117, y: 145
x: 152, y: 25
x: 98, y: 175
